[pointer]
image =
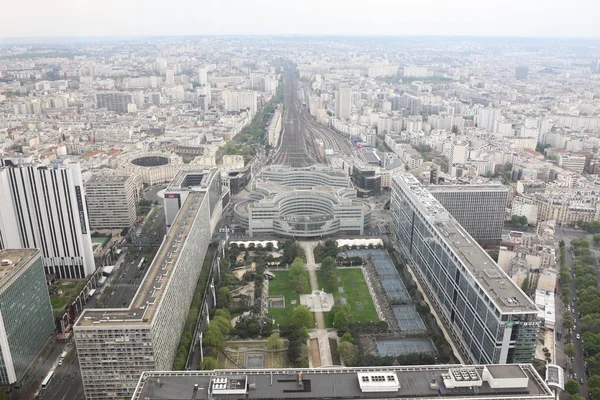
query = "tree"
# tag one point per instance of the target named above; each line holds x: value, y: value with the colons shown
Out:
x: 347, y: 337
x: 297, y: 275
x: 275, y: 342
x: 221, y: 312
x: 223, y: 324
x: 572, y: 387
x: 348, y: 352
x: 303, y: 317
x: 525, y: 285
x: 214, y: 337
x: 570, y: 350
x: 209, y: 363
x: 340, y: 316
x: 224, y: 298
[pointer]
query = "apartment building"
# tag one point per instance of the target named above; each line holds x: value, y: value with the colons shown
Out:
x: 112, y: 200
x: 116, y: 345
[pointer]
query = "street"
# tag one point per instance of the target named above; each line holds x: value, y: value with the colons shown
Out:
x: 576, y: 369
x: 66, y: 383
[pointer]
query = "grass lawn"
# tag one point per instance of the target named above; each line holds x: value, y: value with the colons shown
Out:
x: 353, y: 294
x: 281, y: 286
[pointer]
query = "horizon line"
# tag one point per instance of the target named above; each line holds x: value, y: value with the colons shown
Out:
x: 364, y: 35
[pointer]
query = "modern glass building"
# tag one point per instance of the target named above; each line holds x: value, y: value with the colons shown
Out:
x: 489, y: 318
x: 26, y: 320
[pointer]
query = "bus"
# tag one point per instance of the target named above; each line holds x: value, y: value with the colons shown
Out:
x: 47, y: 379
x: 141, y: 264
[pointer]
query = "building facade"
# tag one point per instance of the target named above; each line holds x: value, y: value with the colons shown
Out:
x: 116, y: 345
x: 112, y: 201
x: 489, y: 319
x: 26, y: 319
x: 113, y: 101
x: 343, y: 103
x: 480, y: 209
x: 44, y: 207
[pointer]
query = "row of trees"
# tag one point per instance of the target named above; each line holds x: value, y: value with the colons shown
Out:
x: 297, y: 276
x: 192, y: 319
x: 586, y: 287
x: 329, y: 249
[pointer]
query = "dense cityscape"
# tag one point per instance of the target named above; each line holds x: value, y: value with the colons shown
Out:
x: 300, y: 217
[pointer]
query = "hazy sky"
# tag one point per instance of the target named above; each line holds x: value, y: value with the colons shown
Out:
x: 20, y: 18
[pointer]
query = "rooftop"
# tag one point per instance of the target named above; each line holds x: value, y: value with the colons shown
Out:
x: 107, y: 178
x: 12, y: 261
x: 468, y: 188
x: 431, y: 381
x: 149, y: 295
x: 493, y: 280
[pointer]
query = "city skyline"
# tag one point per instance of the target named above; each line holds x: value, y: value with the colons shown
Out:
x: 234, y: 17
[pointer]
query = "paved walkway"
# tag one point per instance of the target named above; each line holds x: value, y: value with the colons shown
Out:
x: 321, y: 333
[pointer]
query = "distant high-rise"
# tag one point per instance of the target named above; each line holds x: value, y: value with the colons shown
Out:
x: 521, y: 72
x: 480, y: 209
x: 113, y: 101
x: 240, y: 100
x: 343, y: 103
x: 45, y: 208
x: 26, y: 319
x: 170, y: 77
x: 111, y: 201
x: 202, y: 76
x: 459, y: 151
x: 486, y: 118
x: 595, y: 67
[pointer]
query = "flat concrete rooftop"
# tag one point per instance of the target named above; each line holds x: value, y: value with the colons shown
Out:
x: 11, y: 261
x: 414, y: 382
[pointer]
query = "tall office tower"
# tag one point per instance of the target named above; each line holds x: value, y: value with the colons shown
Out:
x: 521, y: 72
x: 116, y: 345
x: 113, y: 101
x: 44, y: 207
x: 595, y: 67
x: 111, y: 200
x: 26, y: 320
x: 343, y: 103
x: 480, y: 209
x: 170, y: 77
x: 486, y: 118
x: 459, y: 151
x: 489, y: 319
x: 202, y: 76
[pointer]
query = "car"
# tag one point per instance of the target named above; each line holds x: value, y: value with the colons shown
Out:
x: 578, y: 337
x: 574, y: 327
x: 581, y: 381
x: 572, y: 311
x: 574, y: 321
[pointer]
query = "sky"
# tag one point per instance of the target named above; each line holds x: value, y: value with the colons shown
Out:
x: 43, y: 18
